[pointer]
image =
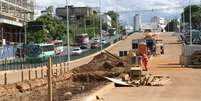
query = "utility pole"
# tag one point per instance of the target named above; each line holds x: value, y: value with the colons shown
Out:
x: 101, y: 36
x: 68, y: 36
x: 94, y: 23
x: 117, y: 23
x: 85, y: 26
x: 2, y: 33
x: 190, y: 22
x: 25, y: 29
x: 184, y: 27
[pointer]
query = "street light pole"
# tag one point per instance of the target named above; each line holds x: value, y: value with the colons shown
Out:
x: 190, y: 23
x: 25, y: 29
x: 184, y: 28
x: 68, y: 36
x: 101, y: 36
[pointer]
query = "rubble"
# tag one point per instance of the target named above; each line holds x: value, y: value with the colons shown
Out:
x: 23, y: 86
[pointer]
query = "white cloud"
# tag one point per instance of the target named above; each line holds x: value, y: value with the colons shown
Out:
x: 122, y: 5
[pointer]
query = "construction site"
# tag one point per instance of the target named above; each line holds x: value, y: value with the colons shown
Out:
x: 112, y: 75
x: 155, y: 61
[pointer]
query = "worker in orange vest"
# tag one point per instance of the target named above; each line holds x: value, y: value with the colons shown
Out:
x: 145, y: 61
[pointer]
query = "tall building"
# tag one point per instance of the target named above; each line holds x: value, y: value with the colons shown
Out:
x: 76, y: 12
x: 13, y: 15
x: 158, y: 22
x: 137, y: 23
x: 107, y: 20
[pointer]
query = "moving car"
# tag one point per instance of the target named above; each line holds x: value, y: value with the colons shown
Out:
x: 76, y: 51
x: 103, y: 41
x: 95, y: 45
x: 84, y: 46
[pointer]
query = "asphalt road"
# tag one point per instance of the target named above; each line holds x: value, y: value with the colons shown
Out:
x: 14, y: 76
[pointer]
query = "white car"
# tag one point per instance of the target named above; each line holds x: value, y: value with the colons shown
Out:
x: 76, y: 51
x: 103, y: 42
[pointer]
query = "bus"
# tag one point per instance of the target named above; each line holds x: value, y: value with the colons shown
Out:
x: 40, y: 52
x: 58, y: 47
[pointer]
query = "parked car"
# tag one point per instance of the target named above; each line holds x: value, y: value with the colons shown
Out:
x: 84, y: 46
x: 94, y: 45
x: 76, y: 51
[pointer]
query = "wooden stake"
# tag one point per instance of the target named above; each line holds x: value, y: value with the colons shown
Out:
x: 49, y: 79
x: 5, y: 78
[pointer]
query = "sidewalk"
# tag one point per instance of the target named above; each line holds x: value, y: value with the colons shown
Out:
x: 185, y: 83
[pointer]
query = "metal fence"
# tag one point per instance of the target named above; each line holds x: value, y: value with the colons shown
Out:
x: 22, y: 63
x: 27, y: 70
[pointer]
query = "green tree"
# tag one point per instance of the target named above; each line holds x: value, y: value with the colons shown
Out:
x: 39, y: 36
x: 115, y: 18
x: 89, y: 24
x: 54, y: 27
x: 196, y: 15
x: 172, y: 26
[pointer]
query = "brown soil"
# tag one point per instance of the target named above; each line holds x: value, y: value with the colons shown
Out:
x: 65, y: 87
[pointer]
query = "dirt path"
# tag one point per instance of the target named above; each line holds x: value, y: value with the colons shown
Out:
x: 185, y: 83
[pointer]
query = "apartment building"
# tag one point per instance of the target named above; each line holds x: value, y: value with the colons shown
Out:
x: 13, y: 15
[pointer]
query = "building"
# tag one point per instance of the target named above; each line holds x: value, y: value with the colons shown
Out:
x: 148, y: 27
x: 158, y: 22
x: 49, y: 10
x: 13, y: 14
x: 107, y: 20
x: 137, y: 23
x: 76, y: 12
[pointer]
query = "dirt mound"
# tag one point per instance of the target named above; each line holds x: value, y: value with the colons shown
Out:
x: 102, y: 65
x: 97, y: 76
x: 101, y: 62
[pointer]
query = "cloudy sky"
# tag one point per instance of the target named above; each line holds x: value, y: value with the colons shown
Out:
x: 169, y: 7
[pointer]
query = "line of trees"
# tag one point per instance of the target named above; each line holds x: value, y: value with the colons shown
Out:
x: 49, y: 27
x: 185, y: 16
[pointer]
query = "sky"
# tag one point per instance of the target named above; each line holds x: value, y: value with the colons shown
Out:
x: 126, y: 8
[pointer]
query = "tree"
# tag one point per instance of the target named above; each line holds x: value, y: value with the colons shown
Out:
x: 172, y: 26
x: 89, y: 24
x: 115, y: 18
x: 196, y: 15
x: 39, y: 36
x: 53, y: 26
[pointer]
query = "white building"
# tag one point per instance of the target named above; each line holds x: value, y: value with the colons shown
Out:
x: 158, y: 20
x: 137, y: 23
x: 107, y: 20
x: 158, y: 23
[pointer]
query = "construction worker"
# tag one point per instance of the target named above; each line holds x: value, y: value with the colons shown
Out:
x: 145, y: 61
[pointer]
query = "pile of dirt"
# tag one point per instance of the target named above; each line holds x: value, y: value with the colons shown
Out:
x: 97, y: 76
x: 81, y: 79
x: 101, y: 62
x: 102, y: 65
